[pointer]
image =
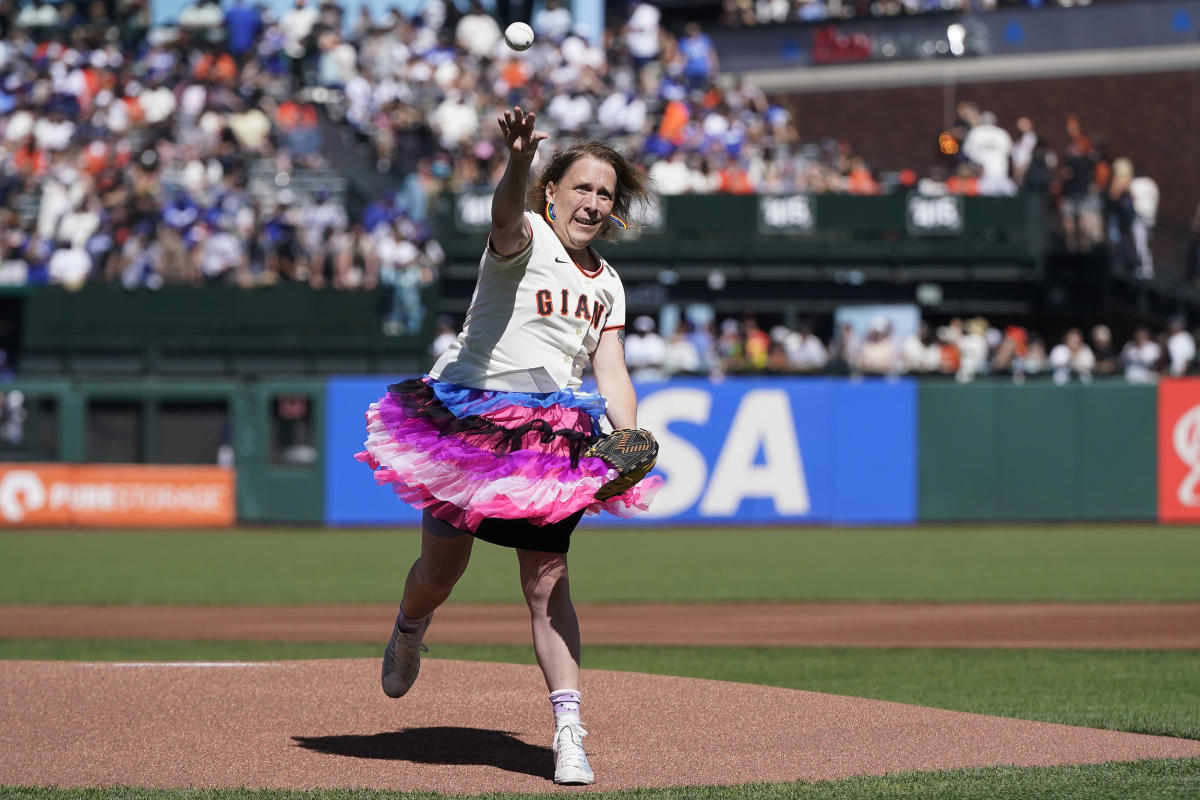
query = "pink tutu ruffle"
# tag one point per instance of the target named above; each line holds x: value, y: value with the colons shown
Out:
x: 513, y: 462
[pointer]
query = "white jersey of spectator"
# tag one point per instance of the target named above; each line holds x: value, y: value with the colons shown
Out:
x: 338, y: 62
x: 878, y: 356
x: 1181, y: 351
x: 1064, y: 363
x: 805, y: 352
x: 19, y: 126
x: 251, y: 128
x: 645, y: 351
x: 158, y: 104
x: 682, y: 355
x: 990, y: 146
x: 455, y: 121
x: 54, y: 135
x: 622, y: 112
x: 221, y: 252
x: 297, y: 24
x: 581, y: 54
x: 192, y: 101
x: 201, y: 15
x: 1144, y: 193
x: 553, y: 21
x: 533, y: 322
x: 69, y: 266
x: 479, y: 34
x: 571, y: 112
x: 394, y: 251
x: 917, y: 356
x: 1141, y: 361
x: 641, y: 31
x: 671, y: 175
x: 973, y: 354
x: 78, y: 226
x: 37, y: 15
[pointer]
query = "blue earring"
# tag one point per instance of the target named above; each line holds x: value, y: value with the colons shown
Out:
x: 550, y: 211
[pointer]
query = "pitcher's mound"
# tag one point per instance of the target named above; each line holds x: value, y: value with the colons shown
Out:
x: 471, y: 728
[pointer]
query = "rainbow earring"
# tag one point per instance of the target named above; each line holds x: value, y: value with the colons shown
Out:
x: 550, y: 211
x: 620, y: 223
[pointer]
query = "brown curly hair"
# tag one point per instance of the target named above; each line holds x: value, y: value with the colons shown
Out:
x: 632, y: 184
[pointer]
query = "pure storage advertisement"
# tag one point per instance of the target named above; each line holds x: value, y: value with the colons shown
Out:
x: 1179, y: 450
x: 803, y: 450
x: 116, y: 495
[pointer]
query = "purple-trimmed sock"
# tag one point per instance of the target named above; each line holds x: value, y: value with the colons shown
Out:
x: 565, y: 701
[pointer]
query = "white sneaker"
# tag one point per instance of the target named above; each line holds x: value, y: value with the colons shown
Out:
x: 570, y: 762
x: 402, y: 658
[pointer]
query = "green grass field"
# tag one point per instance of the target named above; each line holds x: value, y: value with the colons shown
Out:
x: 285, y: 566
x: 1155, y: 692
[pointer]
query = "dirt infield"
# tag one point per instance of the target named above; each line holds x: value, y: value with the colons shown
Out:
x: 1145, y: 626
x: 474, y: 728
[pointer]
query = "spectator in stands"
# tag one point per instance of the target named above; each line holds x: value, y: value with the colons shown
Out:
x: 1141, y: 356
x: 989, y: 147
x: 1022, y: 149
x: 1103, y: 350
x: 1143, y: 191
x: 1181, y: 347
x: 296, y: 25
x: 804, y: 350
x: 1072, y: 358
x: 682, y: 356
x: 1119, y: 215
x: 645, y: 351
x: 477, y: 32
x: 698, y: 57
x: 920, y: 351
x: 553, y: 21
x: 243, y: 25
x: 972, y: 350
x: 878, y: 354
x: 1085, y: 172
x: 641, y: 33
x: 1011, y: 351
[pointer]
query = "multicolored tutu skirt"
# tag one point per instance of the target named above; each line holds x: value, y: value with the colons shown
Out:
x: 467, y: 455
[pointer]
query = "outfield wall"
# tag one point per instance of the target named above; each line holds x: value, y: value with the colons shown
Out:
x: 849, y: 451
x: 745, y: 450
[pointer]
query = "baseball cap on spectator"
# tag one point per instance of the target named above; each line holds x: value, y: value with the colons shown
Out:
x: 643, y: 324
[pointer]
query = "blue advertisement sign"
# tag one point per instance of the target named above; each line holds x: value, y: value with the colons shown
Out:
x: 816, y: 450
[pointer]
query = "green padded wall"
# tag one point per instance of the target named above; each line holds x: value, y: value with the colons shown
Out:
x: 999, y: 451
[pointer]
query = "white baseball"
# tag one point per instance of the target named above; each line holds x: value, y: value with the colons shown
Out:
x: 518, y: 36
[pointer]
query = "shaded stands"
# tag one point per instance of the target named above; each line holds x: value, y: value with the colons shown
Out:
x: 804, y: 254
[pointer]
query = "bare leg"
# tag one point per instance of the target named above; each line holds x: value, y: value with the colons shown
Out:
x: 442, y: 562
x: 555, y: 627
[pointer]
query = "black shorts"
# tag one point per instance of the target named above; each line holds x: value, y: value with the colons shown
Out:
x: 553, y: 538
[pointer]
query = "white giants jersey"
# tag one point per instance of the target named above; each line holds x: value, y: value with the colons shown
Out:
x: 534, y: 319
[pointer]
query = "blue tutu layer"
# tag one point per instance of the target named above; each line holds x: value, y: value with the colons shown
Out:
x: 463, y: 401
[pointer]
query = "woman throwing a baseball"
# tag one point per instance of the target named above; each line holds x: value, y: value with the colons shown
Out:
x: 491, y: 443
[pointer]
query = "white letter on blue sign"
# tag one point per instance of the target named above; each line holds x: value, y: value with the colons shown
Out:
x: 763, y: 420
x: 682, y: 465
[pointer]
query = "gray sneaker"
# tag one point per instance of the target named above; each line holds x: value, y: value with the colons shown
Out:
x: 402, y: 658
x: 570, y: 762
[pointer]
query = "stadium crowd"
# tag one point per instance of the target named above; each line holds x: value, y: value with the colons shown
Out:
x: 128, y: 153
x: 962, y: 349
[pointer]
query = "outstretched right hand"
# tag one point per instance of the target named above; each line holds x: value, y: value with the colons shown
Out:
x: 520, y: 137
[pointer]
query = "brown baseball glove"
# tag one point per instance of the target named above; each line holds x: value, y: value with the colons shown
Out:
x: 630, y: 451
